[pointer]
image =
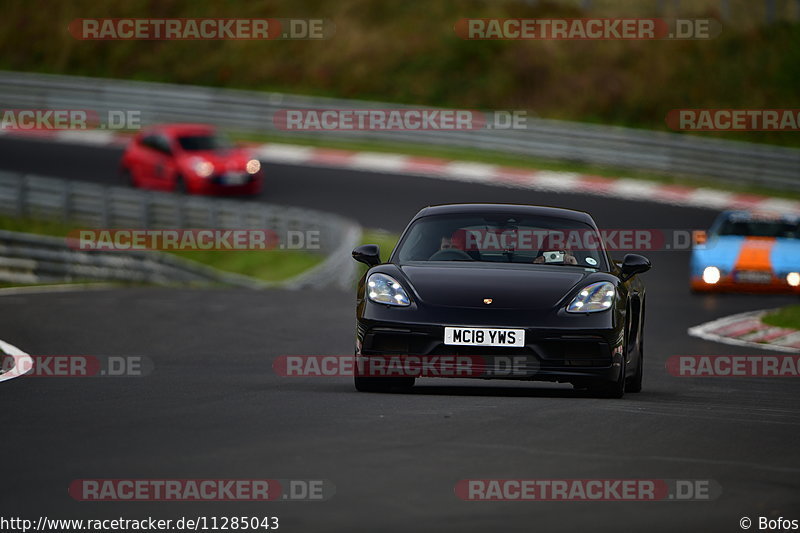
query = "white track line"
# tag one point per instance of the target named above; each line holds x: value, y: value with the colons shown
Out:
x: 22, y: 361
x: 706, y: 332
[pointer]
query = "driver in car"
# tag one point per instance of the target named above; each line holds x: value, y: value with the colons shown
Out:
x: 449, y: 243
x: 451, y: 247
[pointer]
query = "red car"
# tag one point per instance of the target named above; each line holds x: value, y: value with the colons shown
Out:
x: 192, y: 158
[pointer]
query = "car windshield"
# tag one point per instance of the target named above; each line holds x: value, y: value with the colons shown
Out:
x: 760, y: 228
x: 196, y: 143
x: 502, y: 238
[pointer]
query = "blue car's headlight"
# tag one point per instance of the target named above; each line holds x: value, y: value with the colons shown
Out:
x: 385, y: 289
x: 593, y: 298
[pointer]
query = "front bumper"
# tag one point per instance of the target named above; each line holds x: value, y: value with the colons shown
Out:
x: 216, y: 185
x: 549, y: 354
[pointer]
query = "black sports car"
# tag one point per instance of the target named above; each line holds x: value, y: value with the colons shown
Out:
x: 500, y: 291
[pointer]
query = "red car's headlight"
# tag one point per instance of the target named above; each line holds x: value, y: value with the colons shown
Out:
x: 253, y: 166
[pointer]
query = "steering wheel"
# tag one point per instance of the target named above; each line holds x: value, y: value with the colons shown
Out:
x: 451, y: 254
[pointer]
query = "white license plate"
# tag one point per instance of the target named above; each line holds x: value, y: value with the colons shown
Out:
x: 484, y: 337
x: 234, y: 179
x: 753, y: 276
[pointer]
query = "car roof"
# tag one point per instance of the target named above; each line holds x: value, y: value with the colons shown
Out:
x: 516, y: 209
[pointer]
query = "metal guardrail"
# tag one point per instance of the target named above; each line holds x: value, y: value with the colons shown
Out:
x: 28, y: 258
x: 100, y: 206
x: 671, y: 153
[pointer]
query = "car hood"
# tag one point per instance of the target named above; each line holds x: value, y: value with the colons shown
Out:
x: 509, y: 286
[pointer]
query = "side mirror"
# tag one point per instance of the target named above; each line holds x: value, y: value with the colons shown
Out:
x: 634, y: 264
x: 369, y: 254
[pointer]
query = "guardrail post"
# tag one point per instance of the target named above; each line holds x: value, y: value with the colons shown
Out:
x: 280, y: 224
x: 66, y: 202
x: 213, y: 215
x: 105, y: 213
x: 146, y: 210
x: 180, y: 211
x: 22, y: 193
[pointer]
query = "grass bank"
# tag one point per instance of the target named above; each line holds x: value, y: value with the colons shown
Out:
x: 267, y: 265
x: 786, y: 317
x: 408, y: 52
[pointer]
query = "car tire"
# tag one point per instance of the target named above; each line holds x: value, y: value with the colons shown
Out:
x: 370, y: 384
x: 634, y: 383
x: 613, y: 389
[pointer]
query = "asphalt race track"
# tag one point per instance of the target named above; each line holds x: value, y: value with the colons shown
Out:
x: 213, y: 407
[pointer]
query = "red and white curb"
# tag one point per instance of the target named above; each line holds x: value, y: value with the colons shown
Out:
x: 467, y: 171
x: 91, y: 137
x: 747, y: 329
x: 541, y: 180
x: 21, y: 361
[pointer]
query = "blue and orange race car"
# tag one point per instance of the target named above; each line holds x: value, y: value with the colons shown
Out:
x: 748, y: 252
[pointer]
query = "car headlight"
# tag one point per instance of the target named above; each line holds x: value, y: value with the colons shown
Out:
x: 202, y: 167
x: 385, y: 289
x: 593, y: 298
x: 793, y: 279
x: 253, y: 166
x: 711, y: 275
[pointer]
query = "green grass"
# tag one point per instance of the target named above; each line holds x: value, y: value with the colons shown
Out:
x: 50, y: 227
x: 520, y: 161
x: 266, y: 265
x: 787, y: 317
x: 384, y: 239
